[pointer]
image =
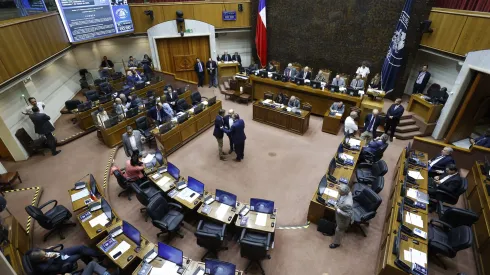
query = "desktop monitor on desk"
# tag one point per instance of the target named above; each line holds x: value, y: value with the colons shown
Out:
x: 111, y: 122
x: 322, y: 186
x: 299, y: 81
x: 173, y: 171
x: 106, y: 208
x: 226, y: 197
x: 165, y: 127
x: 340, y: 149
x: 316, y: 84
x: 132, y: 112
x: 198, y: 109
x: 182, y: 118
x: 195, y: 185
x: 215, y: 267
x: 93, y: 186
x: 408, y: 150
x: 139, y: 85
x: 170, y: 253
x: 262, y: 206
x: 276, y: 76
x: 159, y: 157
x: 263, y: 74
x: 212, y: 101
x: 333, y: 88
x: 352, y: 91
x: 331, y: 169
x: 132, y: 233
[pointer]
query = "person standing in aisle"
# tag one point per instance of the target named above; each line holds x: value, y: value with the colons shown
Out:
x: 42, y: 126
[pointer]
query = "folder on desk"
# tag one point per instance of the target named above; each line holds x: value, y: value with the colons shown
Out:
x: 261, y: 219
x: 122, y: 247
x: 80, y: 194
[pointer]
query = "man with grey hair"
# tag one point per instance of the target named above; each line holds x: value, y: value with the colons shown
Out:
x: 343, y: 214
x: 228, y: 122
x: 290, y: 71
x: 350, y: 126
x: 437, y: 165
x: 371, y: 123
x: 338, y: 81
x: 132, y: 141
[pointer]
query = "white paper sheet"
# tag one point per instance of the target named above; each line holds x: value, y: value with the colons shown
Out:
x: 80, y: 194
x: 420, y: 233
x: 418, y: 257
x: 148, y: 158
x: 201, y: 272
x: 417, y: 220
x: 354, y: 142
x: 412, y: 193
x: 100, y: 219
x: 186, y: 195
x: 346, y: 156
x: 164, y: 180
x: 123, y: 247
x: 261, y: 219
x: 416, y: 175
x: 331, y: 192
x: 338, y: 114
x: 168, y: 268
x: 222, y: 210
x: 407, y: 255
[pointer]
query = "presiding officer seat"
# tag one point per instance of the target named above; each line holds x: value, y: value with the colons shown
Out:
x: 254, y: 246
x: 54, y: 220
x: 446, y: 240
x: 364, y: 208
x: 368, y: 172
x: 144, y: 192
x: 165, y: 216
x: 210, y: 236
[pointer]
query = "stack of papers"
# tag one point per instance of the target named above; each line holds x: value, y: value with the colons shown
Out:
x: 417, y: 195
x: 414, y: 219
x: 346, y: 156
x: 168, y: 268
x: 222, y: 210
x: 148, y: 158
x: 186, y: 195
x: 416, y: 175
x: 354, y: 142
x: 261, y: 219
x: 100, y: 219
x: 267, y: 101
x: 331, y: 192
x: 123, y: 247
x: 163, y: 181
x: 80, y: 194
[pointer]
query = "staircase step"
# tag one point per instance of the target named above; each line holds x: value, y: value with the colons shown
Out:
x: 406, y: 116
x: 407, y: 128
x: 405, y: 122
x: 406, y: 136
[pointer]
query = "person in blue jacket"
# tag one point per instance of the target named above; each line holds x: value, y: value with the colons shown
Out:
x: 483, y: 140
x: 238, y: 136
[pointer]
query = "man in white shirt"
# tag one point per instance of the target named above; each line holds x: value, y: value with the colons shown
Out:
x: 33, y: 103
x: 357, y: 83
x: 363, y: 70
x: 350, y: 126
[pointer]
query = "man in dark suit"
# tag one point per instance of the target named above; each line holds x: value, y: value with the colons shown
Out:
x: 171, y: 96
x: 106, y: 63
x: 483, y: 140
x: 237, y: 131
x: 304, y: 74
x: 371, y: 123
x: 226, y: 57
x: 438, y: 164
x: 211, y: 67
x: 393, y: 116
x: 271, y: 68
x: 236, y: 57
x: 450, y: 181
x: 218, y: 133
x: 42, y: 126
x: 228, y: 122
x: 50, y: 261
x: 421, y: 81
x: 199, y: 68
x: 157, y: 114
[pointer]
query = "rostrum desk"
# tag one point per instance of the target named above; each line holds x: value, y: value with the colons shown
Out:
x: 319, y: 100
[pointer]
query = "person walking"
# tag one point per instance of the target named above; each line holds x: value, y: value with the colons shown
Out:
x: 42, y: 126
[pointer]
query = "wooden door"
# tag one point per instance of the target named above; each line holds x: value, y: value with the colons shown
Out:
x: 178, y: 56
x: 4, y: 151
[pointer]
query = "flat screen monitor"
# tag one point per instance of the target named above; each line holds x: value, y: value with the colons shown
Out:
x: 97, y: 19
x: 132, y: 233
x: 106, y: 208
x: 93, y: 186
x: 322, y: 185
x: 340, y: 149
x: 212, y: 101
x: 159, y: 157
x: 352, y: 92
x: 84, y: 106
x: 195, y: 185
x: 408, y: 150
x: 167, y: 126
x: 215, y: 267
x: 299, y: 81
x: 263, y: 74
x: 198, y: 109
x: 226, y: 197
x: 276, y: 76
x: 331, y: 167
x: 131, y: 112
x: 403, y: 189
x: 173, y: 171
x: 262, y: 206
x: 316, y: 84
x: 333, y: 88
x: 170, y: 253
x: 405, y: 167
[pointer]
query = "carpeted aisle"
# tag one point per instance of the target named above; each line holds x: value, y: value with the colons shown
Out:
x: 278, y: 165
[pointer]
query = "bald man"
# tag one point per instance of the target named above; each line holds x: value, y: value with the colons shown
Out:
x: 228, y: 122
x: 290, y: 71
x: 371, y: 123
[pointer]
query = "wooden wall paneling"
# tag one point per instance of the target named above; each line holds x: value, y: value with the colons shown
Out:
x: 142, y: 22
x: 4, y: 76
x: 447, y: 29
x: 169, y: 11
x: 474, y: 36
x: 242, y: 18
x: 56, y: 34
x: 34, y: 33
x: 14, y: 51
x: 209, y: 13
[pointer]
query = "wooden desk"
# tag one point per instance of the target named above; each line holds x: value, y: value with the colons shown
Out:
x: 331, y: 124
x: 19, y: 242
x: 319, y: 100
x: 386, y: 259
x: 165, y: 182
x: 479, y: 201
x: 113, y: 136
x: 368, y: 105
x: 189, y: 205
x: 227, y: 218
x: 122, y: 261
x: 79, y: 204
x: 194, y: 265
x: 183, y: 133
x: 421, y: 107
x: 92, y: 231
x: 252, y: 216
x: 297, y: 124
x: 227, y: 69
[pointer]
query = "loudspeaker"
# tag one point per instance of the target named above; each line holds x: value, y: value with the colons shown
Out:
x: 240, y: 7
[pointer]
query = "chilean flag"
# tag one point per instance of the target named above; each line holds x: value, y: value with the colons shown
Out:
x: 261, y: 34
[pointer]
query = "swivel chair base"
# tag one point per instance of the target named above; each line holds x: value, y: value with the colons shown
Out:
x: 258, y: 264
x: 358, y: 225
x: 143, y: 210
x: 438, y: 261
x: 59, y: 229
x: 213, y: 253
x: 169, y: 235
x: 125, y: 191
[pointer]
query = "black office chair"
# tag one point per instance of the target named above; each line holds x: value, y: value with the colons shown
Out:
x: 446, y: 240
x: 269, y: 96
x: 144, y: 128
x: 124, y: 183
x: 165, y: 216
x: 71, y: 105
x: 30, y: 268
x: 377, y: 186
x: 254, y: 246
x: 373, y: 157
x: 196, y: 98
x: 456, y: 216
x: 211, y: 236
x: 364, y: 208
x: 144, y: 192
x: 368, y: 172
x: 92, y: 95
x: 181, y: 105
x: 451, y: 198
x: 54, y: 220
x: 105, y: 87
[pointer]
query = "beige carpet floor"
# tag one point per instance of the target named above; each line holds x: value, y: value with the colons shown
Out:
x: 278, y: 166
